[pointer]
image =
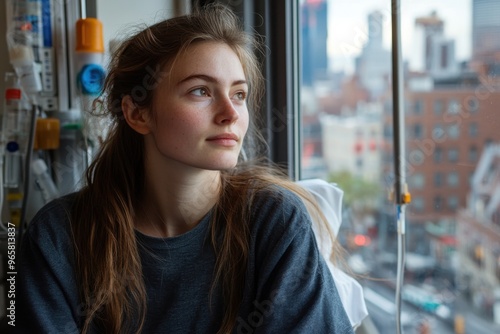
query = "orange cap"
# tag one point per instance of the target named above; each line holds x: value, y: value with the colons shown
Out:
x: 89, y: 36
x: 47, y: 134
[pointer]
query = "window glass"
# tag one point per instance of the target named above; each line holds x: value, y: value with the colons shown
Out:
x: 453, y: 106
x: 472, y: 103
x: 473, y: 130
x: 417, y: 131
x: 418, y: 204
x: 418, y: 107
x: 417, y: 180
x: 453, y: 202
x: 438, y: 154
x: 473, y: 154
x: 438, y: 107
x: 453, y: 179
x: 453, y: 155
x: 453, y: 131
x: 451, y: 98
x: 438, y: 179
x: 438, y: 132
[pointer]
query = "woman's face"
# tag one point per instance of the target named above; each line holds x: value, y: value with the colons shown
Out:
x: 200, y: 112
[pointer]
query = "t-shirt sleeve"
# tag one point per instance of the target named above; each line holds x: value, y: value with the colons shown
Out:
x: 296, y: 292
x: 46, y: 295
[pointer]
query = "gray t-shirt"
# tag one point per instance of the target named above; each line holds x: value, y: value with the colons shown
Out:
x: 288, y: 287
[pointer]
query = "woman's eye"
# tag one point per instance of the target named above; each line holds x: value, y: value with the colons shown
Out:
x: 240, y: 96
x: 199, y: 92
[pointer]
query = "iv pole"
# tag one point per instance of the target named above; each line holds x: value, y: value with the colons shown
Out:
x: 402, y: 197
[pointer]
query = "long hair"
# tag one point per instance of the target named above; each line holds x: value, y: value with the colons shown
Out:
x: 108, y: 264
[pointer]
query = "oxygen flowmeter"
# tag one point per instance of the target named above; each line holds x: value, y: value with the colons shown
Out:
x: 89, y: 56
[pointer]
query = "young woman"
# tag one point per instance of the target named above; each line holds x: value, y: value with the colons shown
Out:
x: 173, y: 233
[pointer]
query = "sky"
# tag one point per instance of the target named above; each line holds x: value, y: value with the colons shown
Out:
x: 348, y: 27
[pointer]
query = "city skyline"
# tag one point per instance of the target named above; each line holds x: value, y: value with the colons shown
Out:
x: 348, y: 27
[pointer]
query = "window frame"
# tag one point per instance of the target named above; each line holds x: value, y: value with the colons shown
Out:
x: 278, y: 22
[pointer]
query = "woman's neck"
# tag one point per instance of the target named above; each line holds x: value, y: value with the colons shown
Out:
x: 174, y: 203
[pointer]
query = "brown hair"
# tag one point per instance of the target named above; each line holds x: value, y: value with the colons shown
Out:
x: 107, y: 260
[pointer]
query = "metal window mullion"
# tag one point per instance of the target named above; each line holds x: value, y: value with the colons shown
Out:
x: 280, y: 28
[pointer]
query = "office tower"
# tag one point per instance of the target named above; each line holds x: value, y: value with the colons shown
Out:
x: 313, y: 40
x: 373, y: 65
x: 486, y: 31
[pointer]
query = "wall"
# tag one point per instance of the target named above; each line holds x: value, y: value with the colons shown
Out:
x: 120, y: 17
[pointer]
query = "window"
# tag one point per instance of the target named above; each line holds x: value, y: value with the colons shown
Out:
x: 438, y: 133
x: 438, y: 154
x: 473, y: 156
x: 473, y: 130
x: 418, y: 107
x: 453, y: 155
x: 472, y: 103
x: 453, y: 202
x: 418, y: 204
x: 450, y: 50
x: 453, y: 131
x: 438, y: 179
x: 417, y: 181
x: 417, y: 131
x: 453, y: 106
x: 452, y: 178
x: 438, y: 203
x: 438, y: 107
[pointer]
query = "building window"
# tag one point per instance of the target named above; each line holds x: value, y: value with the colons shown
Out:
x: 438, y: 133
x: 453, y: 106
x: 418, y: 107
x: 453, y: 131
x: 418, y: 204
x: 417, y: 181
x: 417, y: 131
x: 472, y: 104
x: 453, y: 202
x: 438, y: 179
x: 452, y: 179
x: 473, y: 130
x: 438, y: 203
x: 438, y: 107
x: 438, y: 154
x: 473, y: 156
x: 453, y: 155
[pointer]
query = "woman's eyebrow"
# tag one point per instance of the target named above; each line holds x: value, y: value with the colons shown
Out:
x: 209, y: 78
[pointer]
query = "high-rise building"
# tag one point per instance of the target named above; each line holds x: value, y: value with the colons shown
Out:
x: 437, y: 52
x: 427, y: 28
x: 374, y: 63
x: 314, y: 40
x: 485, y: 31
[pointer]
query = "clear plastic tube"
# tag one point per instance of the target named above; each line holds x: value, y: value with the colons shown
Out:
x: 44, y: 180
x: 12, y: 165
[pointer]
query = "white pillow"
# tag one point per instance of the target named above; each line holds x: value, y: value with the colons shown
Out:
x: 329, y: 199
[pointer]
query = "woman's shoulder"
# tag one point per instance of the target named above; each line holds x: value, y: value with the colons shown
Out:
x: 278, y: 196
x: 53, y: 220
x: 276, y: 209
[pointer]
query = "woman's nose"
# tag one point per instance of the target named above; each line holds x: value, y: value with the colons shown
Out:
x: 226, y: 113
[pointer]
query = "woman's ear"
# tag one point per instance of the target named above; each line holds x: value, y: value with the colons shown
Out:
x: 137, y: 118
